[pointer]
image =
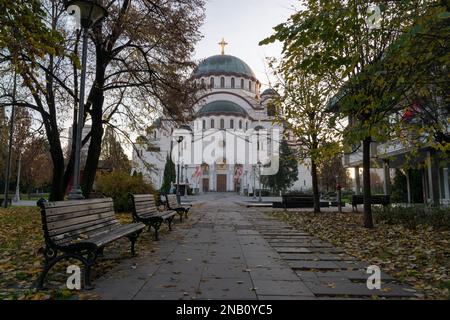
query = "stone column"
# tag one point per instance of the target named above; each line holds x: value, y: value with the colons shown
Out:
x: 408, y: 185
x: 446, y: 185
x: 357, y: 181
x: 433, y: 176
x: 387, y: 178
x: 423, y: 172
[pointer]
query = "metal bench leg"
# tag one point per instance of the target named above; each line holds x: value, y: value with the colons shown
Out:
x: 180, y: 213
x: 156, y: 226
x: 133, y: 238
x: 169, y: 223
x: 88, y: 263
x: 52, y: 258
x: 186, y: 213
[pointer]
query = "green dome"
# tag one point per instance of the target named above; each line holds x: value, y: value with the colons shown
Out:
x: 222, y: 107
x: 224, y: 64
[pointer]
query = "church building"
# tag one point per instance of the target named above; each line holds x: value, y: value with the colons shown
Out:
x: 233, y: 106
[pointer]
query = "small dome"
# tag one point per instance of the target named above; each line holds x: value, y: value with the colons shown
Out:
x: 222, y: 107
x: 269, y: 92
x: 224, y: 64
x: 157, y: 123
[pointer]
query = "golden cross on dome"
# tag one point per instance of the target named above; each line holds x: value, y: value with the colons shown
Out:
x: 223, y: 44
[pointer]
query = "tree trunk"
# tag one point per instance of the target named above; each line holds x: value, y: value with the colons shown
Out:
x: 95, y: 143
x: 368, y: 221
x: 58, y: 189
x: 315, y: 186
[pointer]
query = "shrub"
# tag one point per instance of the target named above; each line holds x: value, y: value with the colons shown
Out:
x: 118, y: 184
x: 411, y: 217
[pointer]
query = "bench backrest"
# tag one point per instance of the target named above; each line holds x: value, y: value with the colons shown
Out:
x: 172, y: 201
x: 375, y: 199
x: 66, y: 222
x: 302, y: 199
x: 143, y: 204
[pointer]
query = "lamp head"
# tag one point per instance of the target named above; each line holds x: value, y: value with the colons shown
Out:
x: 90, y: 11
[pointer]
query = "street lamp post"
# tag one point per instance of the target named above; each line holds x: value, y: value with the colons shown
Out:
x: 11, y: 134
x: 259, y: 170
x: 19, y: 165
x: 185, y: 179
x: 254, y: 182
x: 90, y: 13
x: 179, y: 140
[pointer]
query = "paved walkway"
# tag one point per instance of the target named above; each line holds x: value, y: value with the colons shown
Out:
x: 228, y: 251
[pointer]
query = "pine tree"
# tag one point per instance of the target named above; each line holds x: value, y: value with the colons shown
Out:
x: 169, y: 175
x: 288, y: 170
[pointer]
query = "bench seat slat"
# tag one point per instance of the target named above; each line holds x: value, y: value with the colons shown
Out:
x: 74, y: 221
x: 79, y: 213
x: 101, y: 240
x: 84, y: 228
x: 51, y: 209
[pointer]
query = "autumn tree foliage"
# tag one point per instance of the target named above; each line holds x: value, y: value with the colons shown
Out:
x: 113, y: 155
x: 331, y: 173
x: 140, y: 60
x: 287, y: 172
x: 301, y: 107
x: 337, y: 41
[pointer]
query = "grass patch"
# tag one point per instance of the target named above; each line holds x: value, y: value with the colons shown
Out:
x: 412, y: 217
x: 21, y: 237
x: 419, y: 256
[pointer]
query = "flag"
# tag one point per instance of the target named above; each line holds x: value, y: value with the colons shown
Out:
x: 238, y: 173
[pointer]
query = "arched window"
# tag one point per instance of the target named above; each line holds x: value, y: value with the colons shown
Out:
x: 222, y: 124
x: 203, y: 83
x: 231, y: 124
x: 204, y: 124
x: 246, y: 126
x: 232, y: 83
x: 240, y: 124
x: 222, y: 82
x: 212, y: 123
x: 211, y: 82
x: 242, y: 83
x: 249, y: 86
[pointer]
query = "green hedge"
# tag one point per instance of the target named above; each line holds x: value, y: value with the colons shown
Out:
x: 411, y: 217
x: 118, y: 184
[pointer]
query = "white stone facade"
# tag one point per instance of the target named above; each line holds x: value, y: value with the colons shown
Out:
x: 224, y: 106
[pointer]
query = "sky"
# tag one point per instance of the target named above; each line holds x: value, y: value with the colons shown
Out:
x: 243, y: 24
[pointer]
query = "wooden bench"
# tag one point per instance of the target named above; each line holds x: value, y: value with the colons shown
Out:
x: 375, y: 199
x: 289, y: 201
x: 172, y: 204
x: 80, y: 230
x: 145, y: 210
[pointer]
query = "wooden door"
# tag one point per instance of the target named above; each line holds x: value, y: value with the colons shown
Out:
x: 205, y: 184
x: 221, y: 183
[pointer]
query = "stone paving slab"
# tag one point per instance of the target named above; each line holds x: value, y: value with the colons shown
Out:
x: 315, y: 257
x: 325, y: 270
x: 226, y: 251
x: 353, y: 276
x: 343, y: 288
x: 282, y: 287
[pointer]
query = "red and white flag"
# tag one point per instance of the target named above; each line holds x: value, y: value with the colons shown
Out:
x: 238, y: 173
